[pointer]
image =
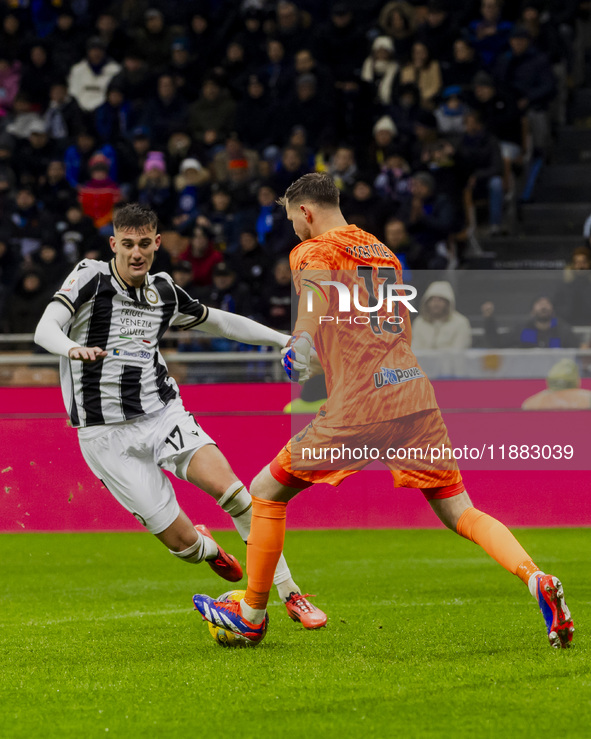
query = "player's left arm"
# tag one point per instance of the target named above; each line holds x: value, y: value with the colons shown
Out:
x: 239, y: 328
x: 193, y: 314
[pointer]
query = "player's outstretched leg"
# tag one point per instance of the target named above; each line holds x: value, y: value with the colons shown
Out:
x: 223, y: 564
x: 550, y: 596
x: 458, y: 514
x: 227, y: 614
x: 193, y: 544
x: 237, y: 502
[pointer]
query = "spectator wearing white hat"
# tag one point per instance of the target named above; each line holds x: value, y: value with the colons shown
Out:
x: 381, y: 70
x: 383, y: 143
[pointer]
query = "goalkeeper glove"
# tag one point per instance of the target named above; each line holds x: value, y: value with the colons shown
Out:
x: 296, y: 357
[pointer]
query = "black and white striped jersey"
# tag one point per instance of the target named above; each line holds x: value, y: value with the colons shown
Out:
x: 128, y: 323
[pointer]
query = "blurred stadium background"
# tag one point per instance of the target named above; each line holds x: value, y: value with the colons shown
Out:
x: 207, y: 110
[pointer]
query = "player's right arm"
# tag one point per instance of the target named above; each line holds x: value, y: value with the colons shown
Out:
x: 79, y: 286
x: 50, y: 335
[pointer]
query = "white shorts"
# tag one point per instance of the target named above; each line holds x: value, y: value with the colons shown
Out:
x: 127, y: 458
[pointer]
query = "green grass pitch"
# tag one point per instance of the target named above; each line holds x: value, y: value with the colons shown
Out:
x: 427, y: 637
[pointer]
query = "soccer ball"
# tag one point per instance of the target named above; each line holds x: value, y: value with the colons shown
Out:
x: 224, y: 637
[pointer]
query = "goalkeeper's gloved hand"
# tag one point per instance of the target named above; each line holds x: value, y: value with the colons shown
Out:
x: 296, y: 357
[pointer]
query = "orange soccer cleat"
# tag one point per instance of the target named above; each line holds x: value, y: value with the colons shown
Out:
x: 300, y: 609
x: 225, y: 565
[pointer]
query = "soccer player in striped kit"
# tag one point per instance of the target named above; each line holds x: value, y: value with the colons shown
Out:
x: 106, y: 322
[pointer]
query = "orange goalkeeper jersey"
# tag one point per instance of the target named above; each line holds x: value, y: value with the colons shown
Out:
x: 371, y: 373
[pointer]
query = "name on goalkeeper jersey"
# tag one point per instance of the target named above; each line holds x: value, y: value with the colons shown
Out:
x: 369, y: 251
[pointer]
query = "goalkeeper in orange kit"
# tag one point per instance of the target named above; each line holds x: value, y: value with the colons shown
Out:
x: 378, y: 398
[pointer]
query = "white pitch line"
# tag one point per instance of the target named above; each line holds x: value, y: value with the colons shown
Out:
x: 108, y: 617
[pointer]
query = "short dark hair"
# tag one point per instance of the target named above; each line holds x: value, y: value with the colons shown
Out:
x: 134, y: 216
x: 314, y: 187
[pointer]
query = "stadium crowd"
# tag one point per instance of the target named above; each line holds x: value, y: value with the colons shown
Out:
x: 208, y: 110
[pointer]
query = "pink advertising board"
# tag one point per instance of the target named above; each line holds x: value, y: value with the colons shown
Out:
x: 46, y: 486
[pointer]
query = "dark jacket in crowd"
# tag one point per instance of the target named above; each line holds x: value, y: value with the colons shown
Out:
x: 558, y: 336
x: 528, y: 75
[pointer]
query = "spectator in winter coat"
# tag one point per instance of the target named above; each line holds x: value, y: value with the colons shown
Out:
x: 481, y: 160
x: 490, y: 34
x: 256, y: 116
x: 252, y: 264
x: 89, y: 79
x: 34, y: 155
x: 190, y: 185
x: 502, y: 118
x: 463, y: 66
x: 430, y: 217
x: 573, y: 297
x: 424, y: 72
x: 211, y: 117
x: 77, y: 158
x: 154, y: 38
x: 543, y: 330
x: 26, y: 304
x: 397, y: 20
x: 450, y: 113
x: 66, y: 42
x: 526, y: 75
x: 437, y: 29
x: 63, y: 117
x: 202, y: 255
x: 439, y: 325
x: 27, y: 225
x: 77, y: 234
x: 277, y: 301
x: 381, y: 70
x: 99, y: 195
x: 37, y: 75
x: 113, y: 119
x: 164, y: 113
x: 57, y: 195
x: 154, y: 190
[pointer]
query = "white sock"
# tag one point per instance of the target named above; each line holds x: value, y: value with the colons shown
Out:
x: 532, y: 584
x: 283, y: 580
x: 193, y: 554
x: 254, y: 615
x: 210, y: 548
x: 237, y: 501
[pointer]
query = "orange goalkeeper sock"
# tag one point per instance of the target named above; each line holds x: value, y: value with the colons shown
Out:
x: 263, y: 549
x: 497, y: 541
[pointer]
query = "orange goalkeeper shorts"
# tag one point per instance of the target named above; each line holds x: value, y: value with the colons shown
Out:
x: 416, y: 449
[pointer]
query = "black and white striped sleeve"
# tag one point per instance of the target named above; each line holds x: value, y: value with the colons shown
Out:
x: 190, y: 312
x: 79, y: 286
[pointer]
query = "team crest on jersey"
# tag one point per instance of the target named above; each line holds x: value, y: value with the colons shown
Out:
x: 151, y: 295
x: 389, y: 376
